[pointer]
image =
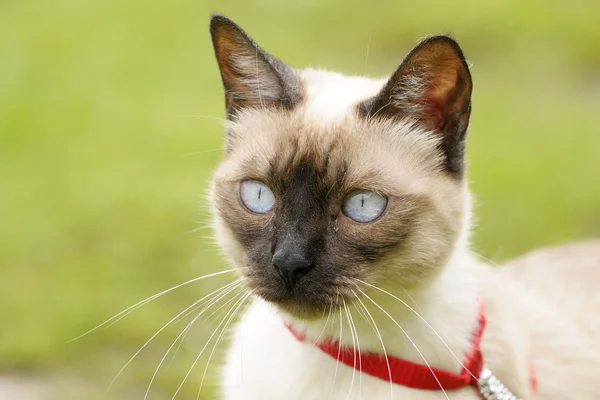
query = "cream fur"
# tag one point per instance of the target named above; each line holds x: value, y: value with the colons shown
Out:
x: 538, y: 311
x: 330, y: 95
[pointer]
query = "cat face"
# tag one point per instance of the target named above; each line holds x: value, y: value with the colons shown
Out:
x: 328, y: 180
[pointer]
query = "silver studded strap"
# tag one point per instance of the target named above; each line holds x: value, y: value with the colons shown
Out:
x: 491, y: 388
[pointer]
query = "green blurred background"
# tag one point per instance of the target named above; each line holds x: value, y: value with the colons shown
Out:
x: 108, y: 137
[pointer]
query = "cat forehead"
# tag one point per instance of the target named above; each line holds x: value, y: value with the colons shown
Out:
x: 328, y: 112
x: 327, y: 132
x: 330, y: 96
x: 277, y: 145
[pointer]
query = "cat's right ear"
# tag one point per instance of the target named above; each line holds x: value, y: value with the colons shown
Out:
x: 432, y: 86
x: 251, y: 77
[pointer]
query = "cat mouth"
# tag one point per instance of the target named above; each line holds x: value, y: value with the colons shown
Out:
x: 305, y: 310
x: 306, y: 300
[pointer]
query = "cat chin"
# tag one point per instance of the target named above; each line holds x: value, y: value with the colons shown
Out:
x: 300, y: 312
x: 299, y: 309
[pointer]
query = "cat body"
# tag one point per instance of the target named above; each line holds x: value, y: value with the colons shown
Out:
x: 533, y: 324
x: 343, y: 203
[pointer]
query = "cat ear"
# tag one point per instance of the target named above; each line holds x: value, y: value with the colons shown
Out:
x: 432, y: 86
x: 251, y: 76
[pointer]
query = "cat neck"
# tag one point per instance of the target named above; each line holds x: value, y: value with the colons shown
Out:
x: 434, y: 323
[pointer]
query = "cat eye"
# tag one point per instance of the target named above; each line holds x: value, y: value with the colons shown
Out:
x: 364, y: 206
x: 257, y: 196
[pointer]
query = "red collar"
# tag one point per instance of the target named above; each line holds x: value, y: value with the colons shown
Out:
x: 408, y: 373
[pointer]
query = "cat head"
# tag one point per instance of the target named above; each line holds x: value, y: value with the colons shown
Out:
x: 329, y: 181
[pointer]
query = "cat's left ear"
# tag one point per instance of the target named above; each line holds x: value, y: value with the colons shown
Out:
x: 432, y: 86
x: 251, y: 76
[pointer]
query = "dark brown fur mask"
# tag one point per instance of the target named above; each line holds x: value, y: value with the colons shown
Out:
x: 307, y: 150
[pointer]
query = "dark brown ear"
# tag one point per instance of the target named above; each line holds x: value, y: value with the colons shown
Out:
x: 433, y: 86
x: 251, y: 77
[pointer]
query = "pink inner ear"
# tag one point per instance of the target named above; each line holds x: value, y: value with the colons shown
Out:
x: 439, y: 97
x: 435, y: 112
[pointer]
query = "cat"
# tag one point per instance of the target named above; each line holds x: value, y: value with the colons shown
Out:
x: 343, y: 203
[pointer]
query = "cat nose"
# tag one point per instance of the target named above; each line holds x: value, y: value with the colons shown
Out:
x: 291, y: 266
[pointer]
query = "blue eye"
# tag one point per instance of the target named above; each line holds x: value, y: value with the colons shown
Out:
x: 257, y: 196
x: 363, y: 205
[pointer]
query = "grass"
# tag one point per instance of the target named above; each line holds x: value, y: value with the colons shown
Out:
x: 107, y: 142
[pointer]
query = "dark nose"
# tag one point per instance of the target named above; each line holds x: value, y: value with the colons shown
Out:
x: 291, y: 266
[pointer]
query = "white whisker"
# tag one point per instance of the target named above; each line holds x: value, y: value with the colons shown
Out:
x: 233, y: 308
x: 137, y: 305
x: 213, y: 351
x: 409, y: 339
x: 407, y: 293
x: 353, y: 348
x: 364, y: 317
x: 387, y: 361
x: 337, y: 362
x: 425, y: 321
x: 224, y: 291
x: 326, y: 323
x: 359, y: 353
x: 377, y: 112
x: 189, y: 327
x: 236, y: 282
x: 153, y: 336
x: 484, y: 258
x: 196, y: 229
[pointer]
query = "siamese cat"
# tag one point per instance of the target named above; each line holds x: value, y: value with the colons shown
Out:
x: 343, y: 203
